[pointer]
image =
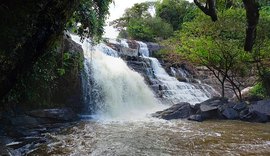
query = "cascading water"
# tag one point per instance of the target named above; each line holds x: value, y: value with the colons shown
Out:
x: 172, y: 89
x: 175, y: 90
x: 113, y: 90
x: 143, y: 49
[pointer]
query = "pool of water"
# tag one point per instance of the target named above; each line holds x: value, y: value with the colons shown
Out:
x: 159, y: 137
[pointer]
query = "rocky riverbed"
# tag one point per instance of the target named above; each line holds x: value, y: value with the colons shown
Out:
x: 21, y: 134
x: 218, y: 108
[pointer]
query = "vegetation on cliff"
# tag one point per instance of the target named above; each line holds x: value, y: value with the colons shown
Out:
x: 29, y: 34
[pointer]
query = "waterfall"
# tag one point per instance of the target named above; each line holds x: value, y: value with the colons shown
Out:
x: 111, y: 89
x: 175, y: 90
x: 123, y: 42
x: 143, y: 49
x: 171, y: 89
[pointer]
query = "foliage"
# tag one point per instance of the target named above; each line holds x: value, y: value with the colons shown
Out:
x: 216, y: 46
x: 28, y: 30
x: 89, y: 18
x: 137, y: 23
x: 139, y: 30
x: 175, y: 12
x: 261, y: 49
x: 36, y: 88
x: 259, y: 91
x: 137, y: 11
x: 149, y: 29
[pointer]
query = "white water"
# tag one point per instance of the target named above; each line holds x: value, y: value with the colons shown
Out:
x: 123, y: 42
x: 143, y: 49
x: 119, y: 92
x: 175, y: 90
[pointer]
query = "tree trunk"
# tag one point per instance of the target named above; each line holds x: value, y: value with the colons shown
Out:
x: 222, y: 90
x: 252, y: 15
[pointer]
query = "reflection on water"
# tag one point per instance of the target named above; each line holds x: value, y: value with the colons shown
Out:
x: 159, y: 137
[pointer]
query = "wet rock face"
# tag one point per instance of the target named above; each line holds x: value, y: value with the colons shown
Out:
x: 68, y: 92
x: 218, y: 108
x: 64, y: 114
x: 262, y: 106
x: 143, y: 66
x: 153, y: 48
x: 32, y: 27
x: 21, y: 134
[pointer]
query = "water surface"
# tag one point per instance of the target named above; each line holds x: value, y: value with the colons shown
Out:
x: 158, y: 137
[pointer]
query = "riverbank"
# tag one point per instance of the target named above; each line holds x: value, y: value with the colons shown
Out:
x: 218, y: 108
x: 20, y: 134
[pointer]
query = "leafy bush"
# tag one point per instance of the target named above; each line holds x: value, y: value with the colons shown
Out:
x: 258, y: 90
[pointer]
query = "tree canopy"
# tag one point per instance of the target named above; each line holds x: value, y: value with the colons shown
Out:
x: 218, y: 46
x: 138, y: 23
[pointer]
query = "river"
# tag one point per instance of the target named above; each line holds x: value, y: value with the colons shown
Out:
x: 155, y: 137
x: 121, y: 103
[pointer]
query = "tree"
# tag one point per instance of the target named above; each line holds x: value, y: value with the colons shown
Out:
x: 261, y: 50
x: 252, y: 17
x: 137, y: 23
x: 137, y: 11
x: 174, y: 12
x: 217, y: 46
x: 90, y: 16
x: 29, y: 29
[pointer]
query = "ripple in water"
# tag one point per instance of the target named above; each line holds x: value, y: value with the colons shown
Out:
x: 159, y: 137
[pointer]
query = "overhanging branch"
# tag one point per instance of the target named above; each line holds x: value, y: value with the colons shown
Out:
x: 209, y: 8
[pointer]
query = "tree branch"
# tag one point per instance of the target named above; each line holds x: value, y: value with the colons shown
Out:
x: 209, y: 9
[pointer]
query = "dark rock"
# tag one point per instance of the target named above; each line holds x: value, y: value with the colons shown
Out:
x: 5, y: 140
x: 23, y: 120
x: 196, y: 117
x: 224, y: 106
x: 68, y: 92
x: 132, y: 44
x: 64, y: 114
x: 230, y: 113
x: 4, y: 151
x: 177, y: 111
x: 254, y: 116
x: 212, y: 104
x: 262, y: 106
x: 196, y: 108
x: 243, y: 114
x: 153, y: 48
x: 71, y: 46
x: 240, y: 106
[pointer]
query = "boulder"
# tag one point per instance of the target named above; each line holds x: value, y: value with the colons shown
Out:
x: 230, y: 113
x: 240, y: 106
x: 253, y: 116
x: 212, y: 104
x: 64, y: 114
x: 177, y: 111
x: 262, y: 106
x: 153, y: 48
x: 4, y: 151
x: 196, y: 117
x: 23, y: 120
